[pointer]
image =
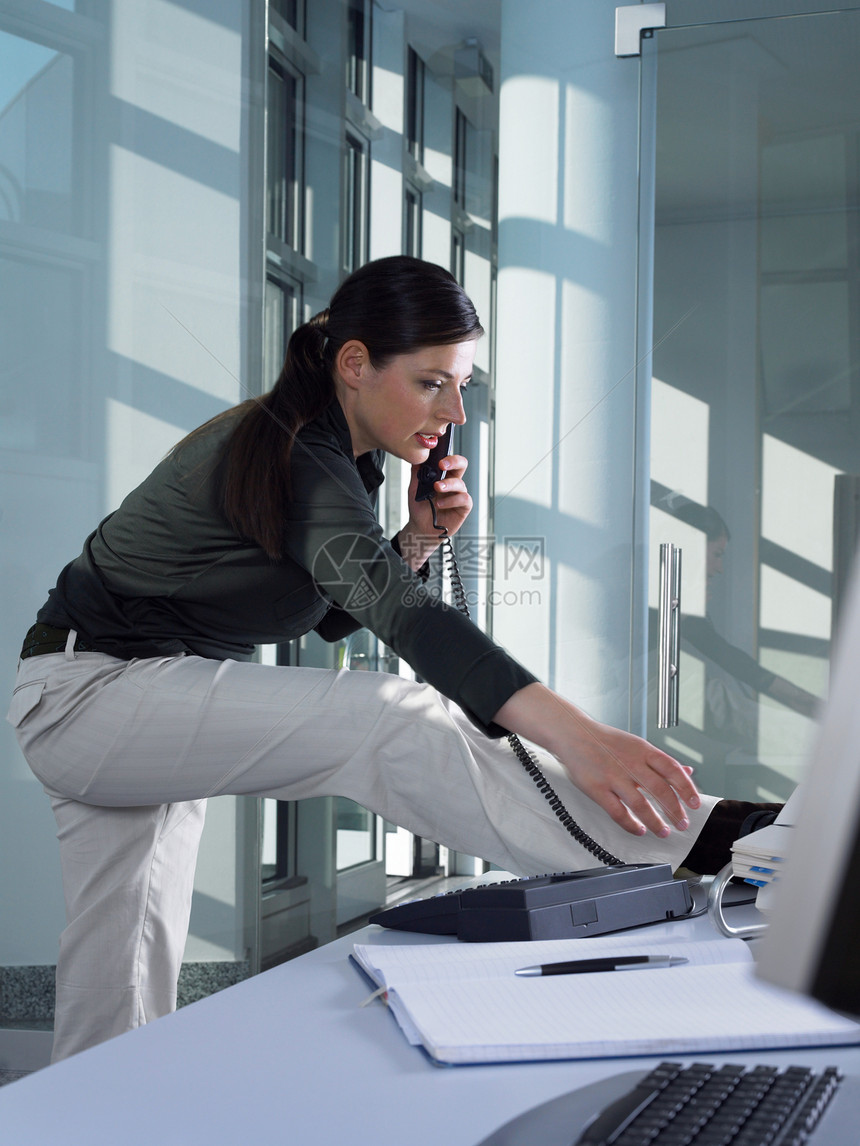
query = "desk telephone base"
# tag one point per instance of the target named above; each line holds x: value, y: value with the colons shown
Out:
x: 563, y: 905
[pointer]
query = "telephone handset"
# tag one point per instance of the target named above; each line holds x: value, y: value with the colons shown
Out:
x: 429, y: 472
x: 427, y: 475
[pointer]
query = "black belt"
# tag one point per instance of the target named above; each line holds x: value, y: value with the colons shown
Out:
x: 41, y: 639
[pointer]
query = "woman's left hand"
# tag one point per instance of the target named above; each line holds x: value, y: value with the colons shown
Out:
x: 418, y: 538
x: 634, y: 782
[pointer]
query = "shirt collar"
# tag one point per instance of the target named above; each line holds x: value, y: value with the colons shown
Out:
x: 369, y: 465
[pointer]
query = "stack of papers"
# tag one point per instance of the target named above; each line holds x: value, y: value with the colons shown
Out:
x: 759, y: 858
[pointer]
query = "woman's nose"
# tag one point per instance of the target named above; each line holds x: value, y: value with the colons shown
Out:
x: 452, y: 410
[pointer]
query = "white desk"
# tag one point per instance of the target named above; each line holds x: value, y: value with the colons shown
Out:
x: 290, y: 1057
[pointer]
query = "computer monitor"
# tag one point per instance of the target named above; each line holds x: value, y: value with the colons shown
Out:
x: 812, y: 943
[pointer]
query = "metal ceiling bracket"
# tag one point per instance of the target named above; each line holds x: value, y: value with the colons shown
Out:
x: 632, y: 22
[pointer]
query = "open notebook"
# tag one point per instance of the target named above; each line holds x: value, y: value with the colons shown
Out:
x: 464, y: 1004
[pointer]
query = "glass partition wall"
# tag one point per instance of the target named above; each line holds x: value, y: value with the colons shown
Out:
x: 754, y: 403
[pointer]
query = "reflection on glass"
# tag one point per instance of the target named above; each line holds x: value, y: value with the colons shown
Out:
x: 269, y: 840
x: 277, y: 840
x: 36, y: 135
x: 356, y: 834
x: 288, y: 10
x: 361, y: 651
x: 460, y: 155
x: 806, y: 347
x: 355, y: 205
x: 415, y: 105
x: 281, y: 199
x: 356, y: 50
x: 804, y: 182
x: 278, y: 323
x: 412, y: 229
x: 356, y: 827
x: 754, y: 416
x: 679, y: 461
x: 794, y: 484
x: 737, y: 710
x: 458, y: 256
x: 41, y: 410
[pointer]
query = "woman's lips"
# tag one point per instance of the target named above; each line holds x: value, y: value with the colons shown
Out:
x: 428, y: 442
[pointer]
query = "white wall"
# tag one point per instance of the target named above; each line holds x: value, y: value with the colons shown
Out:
x: 565, y: 408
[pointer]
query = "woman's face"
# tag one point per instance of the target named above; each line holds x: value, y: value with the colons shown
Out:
x: 403, y: 407
x: 715, y: 551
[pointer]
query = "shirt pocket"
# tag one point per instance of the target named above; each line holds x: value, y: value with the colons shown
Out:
x: 24, y: 699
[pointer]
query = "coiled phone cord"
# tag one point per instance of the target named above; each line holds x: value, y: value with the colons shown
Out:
x: 522, y: 753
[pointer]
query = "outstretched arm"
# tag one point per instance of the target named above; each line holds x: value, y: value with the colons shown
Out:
x: 629, y: 778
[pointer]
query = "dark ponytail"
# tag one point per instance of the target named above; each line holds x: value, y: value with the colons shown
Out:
x: 394, y: 306
x: 256, y: 471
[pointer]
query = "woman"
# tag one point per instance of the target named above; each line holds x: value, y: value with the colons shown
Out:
x: 136, y: 697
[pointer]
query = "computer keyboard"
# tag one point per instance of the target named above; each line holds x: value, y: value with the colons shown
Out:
x: 716, y: 1106
x: 697, y: 1105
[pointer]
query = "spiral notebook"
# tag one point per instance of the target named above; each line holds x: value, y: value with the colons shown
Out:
x: 463, y: 1003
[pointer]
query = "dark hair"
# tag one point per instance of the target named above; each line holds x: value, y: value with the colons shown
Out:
x: 394, y: 306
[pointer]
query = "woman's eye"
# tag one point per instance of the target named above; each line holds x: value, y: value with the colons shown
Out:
x: 431, y: 384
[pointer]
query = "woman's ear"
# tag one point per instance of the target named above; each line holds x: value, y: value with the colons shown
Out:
x: 352, y: 363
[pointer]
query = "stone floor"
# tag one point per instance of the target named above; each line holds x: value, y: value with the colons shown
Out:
x: 12, y: 1075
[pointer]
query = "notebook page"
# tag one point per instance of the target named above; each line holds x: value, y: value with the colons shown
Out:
x: 395, y: 965
x: 679, y: 1010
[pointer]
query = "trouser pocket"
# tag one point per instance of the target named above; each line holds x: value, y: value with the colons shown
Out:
x: 24, y: 699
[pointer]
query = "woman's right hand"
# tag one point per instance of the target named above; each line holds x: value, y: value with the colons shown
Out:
x: 633, y: 781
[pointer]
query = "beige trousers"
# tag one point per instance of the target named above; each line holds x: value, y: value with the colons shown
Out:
x: 130, y: 750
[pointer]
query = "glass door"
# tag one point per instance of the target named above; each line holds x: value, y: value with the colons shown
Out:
x: 359, y: 834
x: 751, y: 155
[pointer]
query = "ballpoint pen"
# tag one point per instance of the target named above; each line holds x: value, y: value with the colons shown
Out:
x: 612, y: 963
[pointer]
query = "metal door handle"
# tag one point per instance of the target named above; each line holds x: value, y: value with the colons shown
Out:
x: 669, y: 649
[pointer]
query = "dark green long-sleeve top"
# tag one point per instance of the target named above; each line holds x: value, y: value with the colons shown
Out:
x: 166, y: 574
